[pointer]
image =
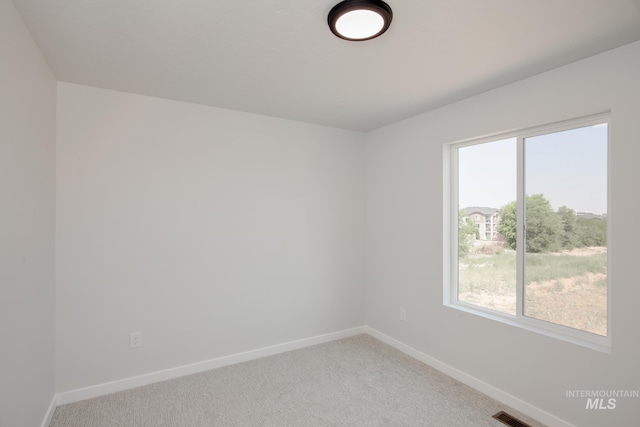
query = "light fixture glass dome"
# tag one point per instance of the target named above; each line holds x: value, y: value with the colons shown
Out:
x: 359, y: 20
x: 359, y: 24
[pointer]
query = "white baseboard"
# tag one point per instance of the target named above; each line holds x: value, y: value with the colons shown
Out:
x: 141, y: 380
x: 50, y: 411
x: 491, y: 391
x: 154, y: 377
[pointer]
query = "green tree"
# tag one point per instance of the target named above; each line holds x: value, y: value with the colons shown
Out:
x: 466, y: 235
x: 507, y: 226
x: 591, y: 231
x: 569, y: 238
x: 543, y: 225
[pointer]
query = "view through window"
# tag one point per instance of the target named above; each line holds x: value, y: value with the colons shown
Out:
x: 532, y: 225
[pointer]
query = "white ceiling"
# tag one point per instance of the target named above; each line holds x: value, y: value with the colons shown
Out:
x: 279, y: 58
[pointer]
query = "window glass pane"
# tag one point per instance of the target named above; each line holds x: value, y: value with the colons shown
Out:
x: 566, y: 228
x: 487, y: 179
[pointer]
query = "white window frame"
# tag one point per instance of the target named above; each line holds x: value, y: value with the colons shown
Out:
x: 450, y: 243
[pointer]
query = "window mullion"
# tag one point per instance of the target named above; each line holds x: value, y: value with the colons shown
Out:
x: 520, y: 230
x: 454, y: 206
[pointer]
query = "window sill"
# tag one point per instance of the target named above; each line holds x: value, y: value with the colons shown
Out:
x: 573, y: 336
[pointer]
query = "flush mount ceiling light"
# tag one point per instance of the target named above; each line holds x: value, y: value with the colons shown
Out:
x: 359, y: 20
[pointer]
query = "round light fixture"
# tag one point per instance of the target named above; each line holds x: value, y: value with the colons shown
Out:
x: 359, y: 20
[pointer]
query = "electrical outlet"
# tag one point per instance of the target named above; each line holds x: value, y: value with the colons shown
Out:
x: 403, y: 314
x: 135, y: 339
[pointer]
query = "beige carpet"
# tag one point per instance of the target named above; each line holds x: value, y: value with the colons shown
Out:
x: 357, y: 381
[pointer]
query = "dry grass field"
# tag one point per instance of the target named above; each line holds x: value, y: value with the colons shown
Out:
x: 568, y: 288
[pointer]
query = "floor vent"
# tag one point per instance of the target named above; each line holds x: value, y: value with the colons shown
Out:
x: 509, y: 420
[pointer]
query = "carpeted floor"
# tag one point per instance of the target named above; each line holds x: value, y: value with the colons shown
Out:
x: 357, y: 381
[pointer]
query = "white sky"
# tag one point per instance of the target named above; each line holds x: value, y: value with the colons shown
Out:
x: 569, y: 168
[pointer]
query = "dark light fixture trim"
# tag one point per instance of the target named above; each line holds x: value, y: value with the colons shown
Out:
x: 347, y: 6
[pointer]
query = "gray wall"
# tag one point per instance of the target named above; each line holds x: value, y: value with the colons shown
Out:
x: 213, y: 232
x: 405, y: 240
x: 27, y: 203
